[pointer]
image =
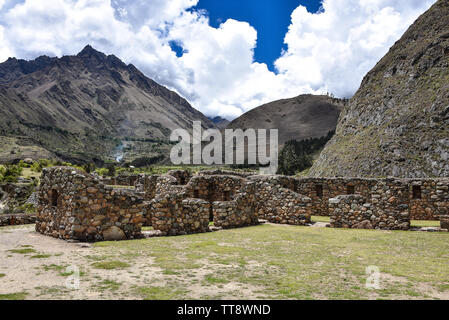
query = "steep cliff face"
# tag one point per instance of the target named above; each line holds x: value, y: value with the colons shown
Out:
x: 397, y: 124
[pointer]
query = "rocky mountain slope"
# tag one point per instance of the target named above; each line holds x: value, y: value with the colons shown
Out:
x: 303, y: 117
x: 220, y: 122
x: 397, y: 124
x: 81, y: 107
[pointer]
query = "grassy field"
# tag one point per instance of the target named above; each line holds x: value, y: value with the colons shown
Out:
x: 262, y: 262
x: 287, y: 262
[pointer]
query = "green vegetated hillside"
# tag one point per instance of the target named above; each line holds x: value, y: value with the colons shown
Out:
x: 80, y: 108
x: 397, y: 124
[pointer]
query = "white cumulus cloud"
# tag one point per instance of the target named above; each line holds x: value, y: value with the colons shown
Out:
x: 329, y: 51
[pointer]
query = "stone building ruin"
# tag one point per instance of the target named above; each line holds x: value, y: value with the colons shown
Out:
x: 75, y: 205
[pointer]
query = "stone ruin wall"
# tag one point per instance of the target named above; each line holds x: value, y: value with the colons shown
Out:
x: 182, y: 176
x: 352, y: 211
x: 121, y: 180
x: 277, y: 202
x: 215, y: 187
x: 16, y: 219
x: 426, y: 199
x: 231, y: 201
x: 320, y: 190
x: 216, y: 198
x: 173, y: 214
x: 434, y: 201
x: 74, y: 205
x: 226, y: 173
x: 240, y: 211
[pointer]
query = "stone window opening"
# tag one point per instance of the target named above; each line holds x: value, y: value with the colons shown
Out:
x: 417, y: 192
x: 196, y: 194
x: 183, y: 181
x: 54, y: 198
x: 227, y: 196
x: 319, y: 190
x: 350, y: 190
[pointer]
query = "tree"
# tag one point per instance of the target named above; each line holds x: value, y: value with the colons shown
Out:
x: 297, y: 156
x: 291, y: 162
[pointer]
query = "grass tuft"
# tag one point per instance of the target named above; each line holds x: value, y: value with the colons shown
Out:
x: 109, y: 265
x: 41, y: 256
x: 14, y: 296
x: 23, y: 251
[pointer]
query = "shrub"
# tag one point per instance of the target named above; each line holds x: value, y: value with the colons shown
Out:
x: 10, y: 173
x: 102, y: 171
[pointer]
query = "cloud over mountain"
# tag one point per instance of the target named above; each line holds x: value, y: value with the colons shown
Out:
x: 327, y: 52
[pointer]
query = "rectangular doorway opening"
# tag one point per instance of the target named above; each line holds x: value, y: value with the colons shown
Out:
x: 417, y: 192
x: 319, y: 190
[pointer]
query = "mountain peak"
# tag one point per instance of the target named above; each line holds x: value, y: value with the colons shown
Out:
x: 90, y: 97
x: 89, y: 51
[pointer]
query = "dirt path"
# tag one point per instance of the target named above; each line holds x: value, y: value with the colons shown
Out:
x: 37, y: 266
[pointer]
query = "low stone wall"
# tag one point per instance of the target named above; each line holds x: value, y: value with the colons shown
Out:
x: 433, y: 199
x: 320, y: 190
x: 173, y: 215
x: 427, y: 199
x: 75, y: 205
x: 352, y: 211
x: 215, y: 188
x: 13, y: 196
x: 278, y: 204
x: 287, y: 207
x: 121, y: 180
x: 228, y: 214
x: 444, y: 222
x: 226, y: 173
x: 222, y: 193
x: 166, y: 184
x: 146, y: 184
x: 16, y: 219
x: 182, y: 176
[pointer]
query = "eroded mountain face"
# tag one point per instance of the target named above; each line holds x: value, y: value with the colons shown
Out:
x: 397, y: 124
x: 81, y: 107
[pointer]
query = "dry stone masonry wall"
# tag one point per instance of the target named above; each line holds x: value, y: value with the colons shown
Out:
x: 277, y: 203
x: 173, y: 215
x: 16, y: 219
x: 75, y: 205
x: 352, y: 211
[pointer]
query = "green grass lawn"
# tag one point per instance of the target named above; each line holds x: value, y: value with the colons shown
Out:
x: 425, y: 223
x: 289, y: 262
x: 321, y: 219
x: 414, y: 223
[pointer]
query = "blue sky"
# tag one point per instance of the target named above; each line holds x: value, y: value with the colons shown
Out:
x: 270, y: 18
x: 228, y: 49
